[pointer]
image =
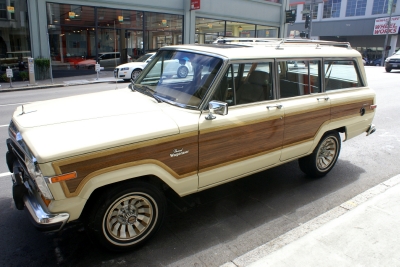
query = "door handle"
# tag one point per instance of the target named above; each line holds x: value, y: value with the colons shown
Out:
x: 275, y: 106
x: 324, y: 98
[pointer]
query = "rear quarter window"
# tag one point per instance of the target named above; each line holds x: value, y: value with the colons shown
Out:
x: 341, y: 74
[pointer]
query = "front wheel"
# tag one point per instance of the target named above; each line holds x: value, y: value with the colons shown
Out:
x: 126, y: 216
x: 388, y: 69
x: 135, y: 73
x: 324, y: 156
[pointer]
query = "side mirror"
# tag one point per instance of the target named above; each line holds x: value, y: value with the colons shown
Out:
x: 216, y: 107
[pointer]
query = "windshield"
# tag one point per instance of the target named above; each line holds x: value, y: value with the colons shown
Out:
x: 144, y: 58
x: 179, y: 78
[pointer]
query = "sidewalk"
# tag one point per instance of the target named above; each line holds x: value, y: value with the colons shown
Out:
x: 104, y: 76
x: 363, y: 231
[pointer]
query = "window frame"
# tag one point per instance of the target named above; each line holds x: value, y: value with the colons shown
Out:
x: 357, y: 69
x: 320, y: 76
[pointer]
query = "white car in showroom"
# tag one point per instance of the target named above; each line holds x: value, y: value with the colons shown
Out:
x: 131, y: 70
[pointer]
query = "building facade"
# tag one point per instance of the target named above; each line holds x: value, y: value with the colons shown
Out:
x: 77, y: 34
x: 363, y: 23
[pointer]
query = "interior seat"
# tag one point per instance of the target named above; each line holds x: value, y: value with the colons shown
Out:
x: 255, y: 89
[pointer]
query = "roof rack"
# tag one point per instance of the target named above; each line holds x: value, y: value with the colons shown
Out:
x: 278, y: 41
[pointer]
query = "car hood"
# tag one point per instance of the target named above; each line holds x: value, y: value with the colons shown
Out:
x: 64, y: 127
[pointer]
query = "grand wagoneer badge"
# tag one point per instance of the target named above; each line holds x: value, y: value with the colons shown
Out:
x: 178, y: 152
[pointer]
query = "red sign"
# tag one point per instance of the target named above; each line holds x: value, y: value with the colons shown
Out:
x: 194, y: 4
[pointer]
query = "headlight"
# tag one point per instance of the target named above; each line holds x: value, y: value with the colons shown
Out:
x: 36, y: 174
x: 387, y: 60
x: 125, y: 68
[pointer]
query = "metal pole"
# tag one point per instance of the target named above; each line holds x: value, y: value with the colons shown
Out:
x: 311, y: 18
x: 51, y: 68
x: 387, y: 32
x: 115, y: 50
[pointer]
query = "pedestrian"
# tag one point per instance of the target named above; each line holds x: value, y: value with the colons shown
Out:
x: 21, y: 65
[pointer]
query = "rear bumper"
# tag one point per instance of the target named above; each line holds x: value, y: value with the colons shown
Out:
x: 371, y: 129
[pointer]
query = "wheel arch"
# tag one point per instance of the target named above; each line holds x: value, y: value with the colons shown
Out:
x: 98, y: 192
x: 149, y: 173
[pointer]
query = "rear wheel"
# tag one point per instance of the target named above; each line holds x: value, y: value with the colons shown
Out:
x: 324, y: 156
x: 182, y: 72
x: 126, y: 216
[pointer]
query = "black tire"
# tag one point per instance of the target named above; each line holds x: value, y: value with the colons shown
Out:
x: 324, y: 156
x: 126, y: 215
x: 182, y: 72
x: 135, y: 73
x: 388, y: 69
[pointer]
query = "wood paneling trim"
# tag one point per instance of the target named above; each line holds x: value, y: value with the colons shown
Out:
x: 351, y: 109
x: 77, y: 190
x: 219, y: 146
x: 302, y: 127
x: 155, y: 152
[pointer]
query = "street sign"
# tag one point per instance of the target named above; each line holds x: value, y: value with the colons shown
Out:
x: 290, y: 16
x: 9, y: 73
x: 97, y: 67
x: 194, y: 4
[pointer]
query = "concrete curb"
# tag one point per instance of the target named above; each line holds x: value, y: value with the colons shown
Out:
x: 287, y: 238
x: 47, y: 86
x: 11, y: 89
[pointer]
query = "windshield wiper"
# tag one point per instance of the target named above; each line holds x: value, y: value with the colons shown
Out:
x: 147, y: 91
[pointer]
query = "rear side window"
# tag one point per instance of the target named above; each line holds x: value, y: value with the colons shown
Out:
x: 299, y: 77
x: 341, y: 74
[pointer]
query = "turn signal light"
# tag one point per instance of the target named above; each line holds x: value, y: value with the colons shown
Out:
x: 62, y: 177
x: 45, y: 200
x: 373, y: 106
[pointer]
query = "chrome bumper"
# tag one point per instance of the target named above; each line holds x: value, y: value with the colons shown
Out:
x: 41, y: 218
x: 371, y: 129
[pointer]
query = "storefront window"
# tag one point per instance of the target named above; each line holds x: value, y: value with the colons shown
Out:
x: 163, y: 29
x: 208, y: 30
x: 14, y: 35
x: 267, y: 31
x: 239, y: 29
x: 71, y: 36
x: 77, y: 42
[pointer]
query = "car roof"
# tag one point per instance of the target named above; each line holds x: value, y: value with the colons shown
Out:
x: 240, y: 48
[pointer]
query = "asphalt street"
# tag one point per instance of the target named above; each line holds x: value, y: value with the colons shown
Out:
x: 215, y: 226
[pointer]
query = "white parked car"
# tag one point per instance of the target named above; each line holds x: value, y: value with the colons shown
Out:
x: 169, y: 68
x: 131, y: 70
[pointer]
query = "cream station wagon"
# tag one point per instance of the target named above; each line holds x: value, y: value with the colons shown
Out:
x: 248, y: 105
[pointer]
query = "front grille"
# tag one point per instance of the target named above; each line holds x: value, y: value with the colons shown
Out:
x: 19, y: 148
x: 394, y: 61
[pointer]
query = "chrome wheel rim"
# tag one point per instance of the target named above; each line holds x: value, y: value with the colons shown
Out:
x: 327, y: 154
x: 182, y: 72
x: 129, y: 219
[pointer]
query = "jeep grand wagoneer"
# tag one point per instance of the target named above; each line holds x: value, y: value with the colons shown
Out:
x: 105, y: 158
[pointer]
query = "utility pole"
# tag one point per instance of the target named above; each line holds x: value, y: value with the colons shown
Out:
x: 390, y: 8
x: 311, y: 17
